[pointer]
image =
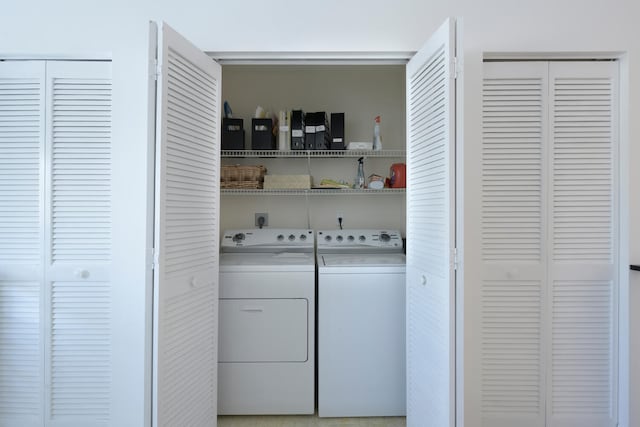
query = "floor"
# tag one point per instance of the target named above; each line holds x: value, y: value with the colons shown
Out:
x: 308, y: 421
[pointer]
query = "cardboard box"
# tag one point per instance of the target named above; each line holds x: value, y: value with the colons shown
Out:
x: 300, y: 182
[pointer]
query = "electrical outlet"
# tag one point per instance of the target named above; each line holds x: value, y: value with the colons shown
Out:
x: 262, y: 219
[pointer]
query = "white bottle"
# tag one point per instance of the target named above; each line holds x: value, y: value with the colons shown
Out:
x: 377, y: 139
x: 284, y: 131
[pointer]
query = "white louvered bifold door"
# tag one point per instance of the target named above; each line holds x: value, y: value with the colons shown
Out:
x: 22, y: 133
x: 187, y: 221
x: 548, y: 283
x: 513, y: 275
x: 78, y: 226
x: 582, y: 379
x: 430, y: 232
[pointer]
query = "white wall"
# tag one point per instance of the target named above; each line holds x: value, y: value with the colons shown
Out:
x: 42, y: 30
x: 119, y: 29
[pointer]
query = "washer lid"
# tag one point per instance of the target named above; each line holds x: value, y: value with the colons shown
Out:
x: 363, y: 260
x: 285, y: 261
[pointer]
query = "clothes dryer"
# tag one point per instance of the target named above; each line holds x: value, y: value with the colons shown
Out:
x: 267, y: 322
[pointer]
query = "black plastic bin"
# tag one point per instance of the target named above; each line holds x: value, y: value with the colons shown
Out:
x: 262, y: 137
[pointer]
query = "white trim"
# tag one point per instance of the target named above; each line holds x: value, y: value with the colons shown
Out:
x: 150, y: 259
x: 550, y: 56
x: 459, y: 241
x: 624, y: 327
x: 102, y: 56
x: 315, y: 58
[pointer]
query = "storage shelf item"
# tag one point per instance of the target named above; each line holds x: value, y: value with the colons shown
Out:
x: 287, y: 182
x: 312, y: 153
x: 242, y: 176
x: 312, y: 192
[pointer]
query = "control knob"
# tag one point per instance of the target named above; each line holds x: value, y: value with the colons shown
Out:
x: 238, y: 237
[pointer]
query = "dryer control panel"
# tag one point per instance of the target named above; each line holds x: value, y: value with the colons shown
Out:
x: 359, y: 240
x: 271, y: 240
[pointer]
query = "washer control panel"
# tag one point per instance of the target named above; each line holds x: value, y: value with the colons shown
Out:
x: 276, y: 239
x: 359, y: 239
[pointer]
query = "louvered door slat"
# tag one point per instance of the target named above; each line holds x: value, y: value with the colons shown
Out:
x: 511, y: 348
x: 512, y: 136
x: 187, y: 218
x: 21, y: 352
x: 582, y: 169
x: 191, y: 163
x: 22, y: 145
x: 430, y: 148
x: 80, y: 350
x: 187, y: 353
x: 512, y: 290
x: 78, y: 245
x: 81, y: 163
x: 21, y: 155
x: 582, y: 379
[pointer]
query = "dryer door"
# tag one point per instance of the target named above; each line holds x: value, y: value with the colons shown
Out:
x: 263, y: 330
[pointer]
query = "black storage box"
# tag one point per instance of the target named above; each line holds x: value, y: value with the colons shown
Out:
x: 323, y: 131
x: 310, y: 131
x: 262, y: 137
x: 297, y: 130
x: 337, y: 132
x: 232, y: 134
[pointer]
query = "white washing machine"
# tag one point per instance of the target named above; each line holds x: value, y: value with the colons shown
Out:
x: 361, y: 323
x: 267, y: 322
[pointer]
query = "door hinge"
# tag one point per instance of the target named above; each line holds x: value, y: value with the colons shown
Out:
x: 455, y: 258
x: 456, y: 68
x: 155, y: 69
x: 154, y: 259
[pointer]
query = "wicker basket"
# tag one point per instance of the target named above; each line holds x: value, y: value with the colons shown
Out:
x: 242, y: 176
x: 241, y: 184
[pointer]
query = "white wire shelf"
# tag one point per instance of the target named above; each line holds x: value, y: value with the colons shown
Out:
x: 312, y: 192
x: 312, y: 153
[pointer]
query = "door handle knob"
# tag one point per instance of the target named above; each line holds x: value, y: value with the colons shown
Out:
x: 81, y: 274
